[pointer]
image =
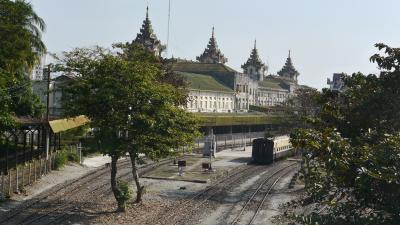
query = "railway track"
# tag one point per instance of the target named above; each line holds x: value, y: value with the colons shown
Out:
x: 99, y: 193
x: 188, y: 206
x: 51, y: 206
x: 261, y: 192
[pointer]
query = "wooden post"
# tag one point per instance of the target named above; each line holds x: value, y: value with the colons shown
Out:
x: 45, y: 166
x: 34, y: 171
x: 23, y: 176
x: 50, y: 160
x: 9, y: 183
x: 16, y: 181
x: 216, y: 144
x: 243, y: 141
x: 233, y: 146
x: 2, y: 185
x: 40, y: 168
x: 31, y: 139
x: 30, y: 173
x: 225, y: 142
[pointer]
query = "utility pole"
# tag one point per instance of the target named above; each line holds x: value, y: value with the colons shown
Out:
x: 212, y: 147
x: 48, y: 79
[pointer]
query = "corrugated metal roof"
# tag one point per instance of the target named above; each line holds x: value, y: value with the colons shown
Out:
x: 67, y: 124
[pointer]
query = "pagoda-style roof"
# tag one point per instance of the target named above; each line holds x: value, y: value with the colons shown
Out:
x: 274, y: 83
x: 288, y: 69
x: 212, y: 54
x: 148, y: 38
x: 202, y: 68
x: 204, y: 82
x: 254, y: 60
x: 222, y: 73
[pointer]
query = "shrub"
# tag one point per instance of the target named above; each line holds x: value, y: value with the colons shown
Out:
x: 63, y: 157
x: 60, y: 160
x: 126, y: 191
x: 73, y: 157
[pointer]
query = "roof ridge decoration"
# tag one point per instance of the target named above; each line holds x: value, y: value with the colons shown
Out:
x: 148, y: 38
x: 254, y: 60
x: 288, y: 70
x: 212, y: 54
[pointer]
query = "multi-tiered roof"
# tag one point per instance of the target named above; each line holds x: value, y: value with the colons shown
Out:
x: 288, y: 70
x: 212, y: 54
x: 148, y: 38
x: 254, y: 62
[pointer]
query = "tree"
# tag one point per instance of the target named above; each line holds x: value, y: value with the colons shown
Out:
x: 297, y: 108
x: 20, y: 36
x: 21, y: 47
x: 167, y: 128
x: 353, y: 149
x: 130, y: 109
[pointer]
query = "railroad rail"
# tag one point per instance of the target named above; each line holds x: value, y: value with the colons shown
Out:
x: 76, y: 185
x: 177, y: 215
x: 278, y: 174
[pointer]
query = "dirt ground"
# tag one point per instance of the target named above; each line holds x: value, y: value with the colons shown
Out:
x: 89, y: 200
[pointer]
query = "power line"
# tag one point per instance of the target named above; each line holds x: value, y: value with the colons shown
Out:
x: 168, y: 27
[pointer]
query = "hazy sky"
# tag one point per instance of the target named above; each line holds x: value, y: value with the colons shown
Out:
x: 324, y: 36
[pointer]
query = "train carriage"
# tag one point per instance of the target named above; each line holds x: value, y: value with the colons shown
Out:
x: 268, y: 150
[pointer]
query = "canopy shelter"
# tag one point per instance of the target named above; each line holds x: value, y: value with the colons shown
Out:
x: 60, y: 125
x: 28, y: 140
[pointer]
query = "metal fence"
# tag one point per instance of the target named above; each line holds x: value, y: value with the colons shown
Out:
x: 16, y: 179
x: 230, y: 141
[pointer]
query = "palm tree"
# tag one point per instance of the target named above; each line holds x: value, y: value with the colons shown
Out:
x: 20, y: 36
x: 20, y: 49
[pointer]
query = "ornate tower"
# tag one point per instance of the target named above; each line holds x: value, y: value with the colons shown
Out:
x: 254, y: 66
x: 147, y: 38
x: 288, y: 70
x: 212, y: 54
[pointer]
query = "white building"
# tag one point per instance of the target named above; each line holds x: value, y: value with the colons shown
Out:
x: 336, y: 84
x: 215, y: 87
x: 56, y: 84
x: 37, y: 72
x: 252, y: 87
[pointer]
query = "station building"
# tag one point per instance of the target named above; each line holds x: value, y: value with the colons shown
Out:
x: 215, y: 87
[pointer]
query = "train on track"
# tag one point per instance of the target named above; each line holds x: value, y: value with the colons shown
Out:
x: 268, y: 150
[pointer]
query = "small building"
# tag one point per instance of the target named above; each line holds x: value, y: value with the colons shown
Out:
x: 55, y: 88
x: 336, y: 84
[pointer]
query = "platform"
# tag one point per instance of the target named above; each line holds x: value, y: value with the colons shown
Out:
x: 224, y: 162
